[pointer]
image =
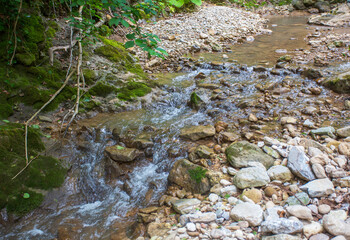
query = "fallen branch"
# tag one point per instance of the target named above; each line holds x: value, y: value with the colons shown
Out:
x: 74, y: 41
x: 14, y: 32
x: 35, y: 114
x: 25, y: 167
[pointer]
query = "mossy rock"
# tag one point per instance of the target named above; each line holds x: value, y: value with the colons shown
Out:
x: 115, y: 52
x: 32, y: 27
x: 105, y: 31
x: 102, y: 89
x: 43, y: 173
x: 340, y: 83
x: 133, y: 90
x: 90, y: 76
x: 26, y: 59
x: 195, y: 101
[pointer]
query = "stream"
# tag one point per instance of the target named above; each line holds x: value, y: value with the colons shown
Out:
x: 90, y: 205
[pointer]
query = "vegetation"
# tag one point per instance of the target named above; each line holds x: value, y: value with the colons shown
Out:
x: 24, y: 193
x: 197, y: 174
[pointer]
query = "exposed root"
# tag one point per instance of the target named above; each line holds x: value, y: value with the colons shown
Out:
x: 14, y: 32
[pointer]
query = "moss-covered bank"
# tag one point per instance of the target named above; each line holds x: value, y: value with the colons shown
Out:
x: 21, y: 195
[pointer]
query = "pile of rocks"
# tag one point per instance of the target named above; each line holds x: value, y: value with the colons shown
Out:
x: 205, y: 30
x: 298, y: 189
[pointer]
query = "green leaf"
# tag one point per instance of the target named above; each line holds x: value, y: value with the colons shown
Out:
x: 197, y: 2
x: 26, y: 195
x: 6, y: 121
x: 177, y: 3
x: 130, y: 36
x: 129, y: 44
x: 120, y: 147
x: 35, y: 126
x: 114, y: 21
x: 125, y: 23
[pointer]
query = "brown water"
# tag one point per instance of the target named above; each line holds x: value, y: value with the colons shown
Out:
x: 288, y: 33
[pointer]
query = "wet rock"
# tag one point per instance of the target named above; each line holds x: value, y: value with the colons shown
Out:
x: 252, y: 118
x: 190, y: 176
x: 195, y: 133
x: 240, y: 154
x: 251, y: 177
x: 298, y: 4
x: 323, y: 6
x: 311, y: 73
x: 319, y: 188
x: 122, y: 154
x: 196, y: 102
x: 309, y: 110
x: 281, y: 226
x: 157, y: 229
x: 259, y: 69
x: 300, y: 212
x: 229, y: 136
x: 185, y: 206
x: 249, y: 212
x: 344, y: 132
x: 200, y: 75
x: 340, y: 83
x: 280, y: 173
x: 299, y: 199
x: 334, y: 223
x: 298, y: 164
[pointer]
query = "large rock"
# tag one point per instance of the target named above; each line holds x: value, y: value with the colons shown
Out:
x: 251, y: 177
x: 319, y: 188
x: 190, y: 176
x: 334, y: 223
x: 298, y: 164
x: 185, y: 206
x: 240, y: 154
x: 301, y: 212
x: 340, y: 83
x: 281, y: 237
x: 298, y: 4
x: 252, y: 213
x: 280, y: 173
x: 344, y: 132
x: 157, y: 229
x: 281, y: 226
x: 122, y: 154
x: 195, y: 133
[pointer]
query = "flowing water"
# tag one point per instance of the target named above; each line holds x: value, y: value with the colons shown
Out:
x: 91, y: 206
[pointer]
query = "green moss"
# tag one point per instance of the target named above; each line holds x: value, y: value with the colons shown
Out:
x: 43, y: 173
x: 89, y: 75
x: 105, y: 31
x: 26, y: 59
x: 195, y: 101
x: 102, y: 89
x: 33, y: 29
x: 5, y: 110
x: 20, y: 205
x: 197, y: 174
x: 133, y: 90
x: 115, y: 52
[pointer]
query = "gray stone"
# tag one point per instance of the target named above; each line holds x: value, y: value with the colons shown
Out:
x: 239, y: 154
x: 298, y: 4
x: 301, y: 212
x: 329, y: 131
x: 320, y: 236
x: 288, y: 120
x: 280, y: 173
x: 299, y: 199
x: 319, y: 171
x: 216, y: 233
x: 324, y: 208
x: 195, y: 133
x: 334, y: 223
x: 184, y: 206
x: 251, y: 177
x: 200, y: 217
x: 319, y: 188
x: 342, y: 182
x: 298, y: 164
x: 191, y: 227
x: 312, y: 229
x: 281, y: 226
x: 344, y: 132
x: 270, y: 151
x: 249, y: 212
x: 323, y: 6
x: 340, y: 83
x: 281, y: 237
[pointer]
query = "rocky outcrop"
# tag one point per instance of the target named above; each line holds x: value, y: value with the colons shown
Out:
x: 340, y: 83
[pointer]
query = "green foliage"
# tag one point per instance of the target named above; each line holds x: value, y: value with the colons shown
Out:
x: 180, y: 3
x: 197, y: 174
x: 133, y: 90
x: 249, y: 3
x: 102, y: 89
x: 19, y: 195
